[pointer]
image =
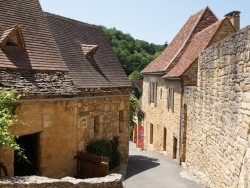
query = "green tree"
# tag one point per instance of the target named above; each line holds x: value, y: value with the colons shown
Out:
x: 135, y: 114
x: 133, y: 54
x: 136, y: 75
x: 7, y: 119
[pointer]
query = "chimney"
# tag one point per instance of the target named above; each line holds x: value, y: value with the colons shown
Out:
x: 234, y: 18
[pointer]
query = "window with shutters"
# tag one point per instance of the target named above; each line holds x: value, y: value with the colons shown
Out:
x: 171, y: 99
x: 152, y: 92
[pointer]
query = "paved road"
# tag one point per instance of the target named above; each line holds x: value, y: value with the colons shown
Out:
x: 148, y: 169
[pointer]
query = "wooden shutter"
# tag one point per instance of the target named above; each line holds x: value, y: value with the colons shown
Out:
x: 155, y: 93
x: 149, y: 92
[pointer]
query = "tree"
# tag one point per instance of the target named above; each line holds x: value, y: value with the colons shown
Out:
x: 7, y: 119
x: 135, y: 114
x: 134, y: 77
x: 133, y: 54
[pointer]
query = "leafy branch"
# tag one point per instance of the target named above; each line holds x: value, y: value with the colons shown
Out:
x: 7, y: 119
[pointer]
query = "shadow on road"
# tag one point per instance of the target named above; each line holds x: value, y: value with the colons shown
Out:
x: 139, y: 163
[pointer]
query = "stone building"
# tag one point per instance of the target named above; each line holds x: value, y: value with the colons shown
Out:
x: 217, y: 113
x: 74, y: 88
x: 167, y: 76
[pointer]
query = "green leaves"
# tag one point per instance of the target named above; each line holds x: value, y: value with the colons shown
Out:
x: 134, y: 55
x: 7, y: 118
x: 135, y: 113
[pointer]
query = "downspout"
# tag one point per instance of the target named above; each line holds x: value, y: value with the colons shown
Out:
x: 181, y: 118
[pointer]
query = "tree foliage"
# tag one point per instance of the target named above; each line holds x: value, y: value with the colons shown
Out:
x: 135, y: 114
x: 133, y: 54
x: 136, y: 75
x: 8, y: 118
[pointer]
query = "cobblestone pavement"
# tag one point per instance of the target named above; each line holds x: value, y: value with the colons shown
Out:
x: 148, y: 169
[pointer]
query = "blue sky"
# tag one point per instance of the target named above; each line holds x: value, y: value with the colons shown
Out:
x: 155, y: 21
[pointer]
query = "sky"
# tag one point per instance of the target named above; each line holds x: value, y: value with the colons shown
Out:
x: 155, y: 21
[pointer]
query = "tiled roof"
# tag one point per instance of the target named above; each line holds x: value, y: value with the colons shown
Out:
x: 73, y: 38
x: 6, y: 33
x: 40, y: 52
x: 200, y: 41
x: 177, y: 47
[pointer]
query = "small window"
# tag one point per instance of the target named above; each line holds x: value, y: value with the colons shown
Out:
x: 96, y: 124
x: 121, y: 121
x: 171, y: 99
x: 13, y: 41
x: 13, y: 37
x: 161, y: 94
x: 152, y: 92
x: 151, y: 133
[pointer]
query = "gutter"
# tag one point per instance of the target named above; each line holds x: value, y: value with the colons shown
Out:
x: 69, y: 99
x: 173, y: 78
x: 181, y: 117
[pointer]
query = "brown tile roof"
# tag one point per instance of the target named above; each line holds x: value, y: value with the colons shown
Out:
x: 177, y: 47
x: 200, y: 41
x: 74, y: 39
x: 41, y: 52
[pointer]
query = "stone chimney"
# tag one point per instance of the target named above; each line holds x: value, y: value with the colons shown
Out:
x: 234, y: 17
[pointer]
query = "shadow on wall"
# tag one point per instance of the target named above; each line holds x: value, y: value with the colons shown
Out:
x: 138, y: 164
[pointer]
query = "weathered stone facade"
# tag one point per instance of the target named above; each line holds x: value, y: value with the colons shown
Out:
x: 218, y: 113
x: 65, y: 126
x: 159, y: 116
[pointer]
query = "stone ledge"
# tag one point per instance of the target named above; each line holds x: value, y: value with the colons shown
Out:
x: 110, y: 181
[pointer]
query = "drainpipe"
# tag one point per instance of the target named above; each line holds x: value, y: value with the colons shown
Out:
x: 181, y: 124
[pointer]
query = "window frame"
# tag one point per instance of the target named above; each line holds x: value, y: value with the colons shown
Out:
x: 152, y: 98
x: 170, y: 101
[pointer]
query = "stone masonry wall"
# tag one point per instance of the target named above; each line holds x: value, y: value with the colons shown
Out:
x: 160, y: 116
x: 218, y: 114
x: 65, y: 127
x: 110, y: 181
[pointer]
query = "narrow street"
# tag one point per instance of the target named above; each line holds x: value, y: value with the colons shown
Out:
x: 148, y: 169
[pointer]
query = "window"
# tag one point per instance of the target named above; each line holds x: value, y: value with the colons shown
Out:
x: 151, y: 133
x: 161, y: 94
x: 96, y: 124
x: 13, y: 37
x: 152, y: 92
x: 13, y: 41
x: 171, y: 99
x: 121, y: 121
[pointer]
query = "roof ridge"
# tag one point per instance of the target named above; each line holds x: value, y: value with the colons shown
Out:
x: 190, y: 33
x: 71, y: 20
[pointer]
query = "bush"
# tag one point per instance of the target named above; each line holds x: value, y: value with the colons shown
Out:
x: 106, y: 148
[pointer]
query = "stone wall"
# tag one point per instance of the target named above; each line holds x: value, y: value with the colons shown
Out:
x: 218, y: 114
x: 160, y: 117
x: 65, y: 126
x: 110, y: 181
x: 32, y: 82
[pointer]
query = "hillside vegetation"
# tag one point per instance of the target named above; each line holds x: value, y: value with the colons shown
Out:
x: 133, y: 54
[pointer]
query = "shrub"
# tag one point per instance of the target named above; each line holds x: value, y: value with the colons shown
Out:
x: 106, y: 148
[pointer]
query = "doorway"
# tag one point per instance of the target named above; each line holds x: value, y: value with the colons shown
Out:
x: 174, y: 147
x: 30, y: 145
x: 165, y: 139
